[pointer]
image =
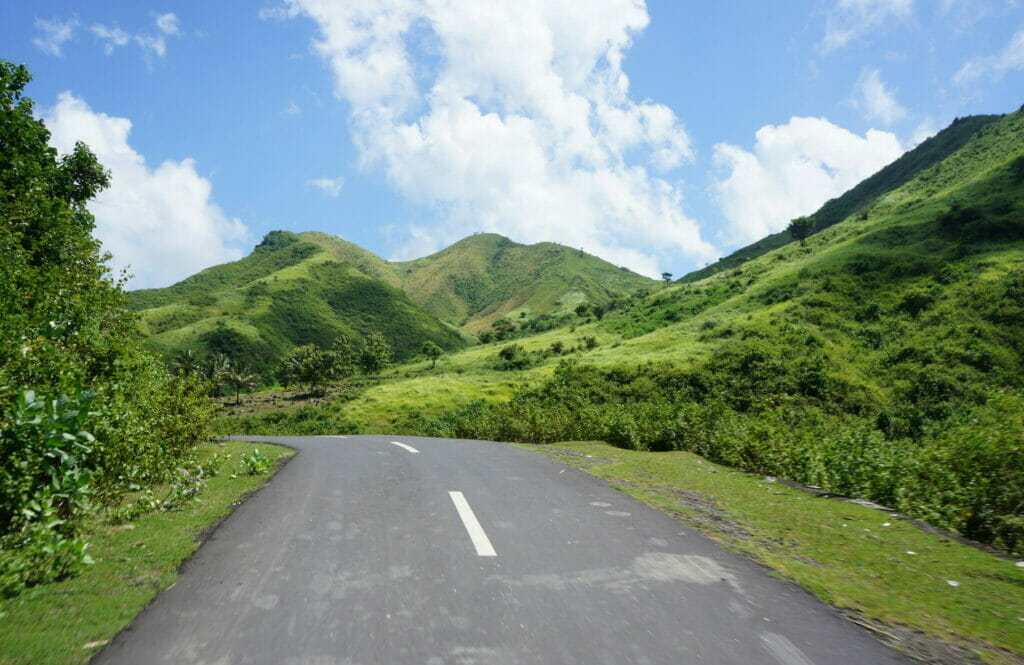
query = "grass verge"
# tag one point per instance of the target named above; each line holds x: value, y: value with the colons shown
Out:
x: 67, y: 622
x: 884, y: 573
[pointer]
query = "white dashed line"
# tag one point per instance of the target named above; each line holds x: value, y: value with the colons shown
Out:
x: 476, y: 532
x: 402, y: 445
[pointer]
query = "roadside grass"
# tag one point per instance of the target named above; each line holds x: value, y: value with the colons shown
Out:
x: 896, y: 575
x: 67, y: 622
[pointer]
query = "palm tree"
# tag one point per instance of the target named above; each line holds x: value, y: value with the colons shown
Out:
x: 240, y: 381
x: 186, y: 363
x: 214, y: 369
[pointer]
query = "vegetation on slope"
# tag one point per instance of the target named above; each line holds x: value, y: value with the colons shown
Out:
x: 86, y: 416
x: 289, y: 292
x: 881, y: 359
x: 859, y: 199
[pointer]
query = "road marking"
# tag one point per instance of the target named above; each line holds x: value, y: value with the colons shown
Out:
x: 476, y: 532
x: 402, y: 445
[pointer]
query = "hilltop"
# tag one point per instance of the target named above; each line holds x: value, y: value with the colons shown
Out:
x: 309, y: 288
x: 486, y: 277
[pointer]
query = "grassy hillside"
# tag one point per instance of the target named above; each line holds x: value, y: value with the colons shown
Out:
x: 860, y: 198
x: 881, y: 359
x: 486, y: 277
x: 288, y: 292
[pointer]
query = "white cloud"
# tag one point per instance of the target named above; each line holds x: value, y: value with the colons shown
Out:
x: 848, y: 20
x: 111, y: 37
x: 291, y: 109
x: 925, y: 130
x: 329, y: 186
x: 168, y: 23
x: 159, y: 221
x: 994, y: 66
x: 517, y: 121
x: 54, y: 34
x: 792, y: 170
x: 876, y: 100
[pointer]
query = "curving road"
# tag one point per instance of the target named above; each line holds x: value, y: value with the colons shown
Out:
x: 372, y: 550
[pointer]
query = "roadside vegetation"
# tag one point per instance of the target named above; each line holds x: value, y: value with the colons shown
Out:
x: 88, y: 419
x: 930, y: 597
x: 68, y: 621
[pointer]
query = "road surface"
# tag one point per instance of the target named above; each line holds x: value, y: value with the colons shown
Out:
x: 373, y: 550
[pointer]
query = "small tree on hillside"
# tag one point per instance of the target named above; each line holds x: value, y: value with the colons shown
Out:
x: 377, y: 354
x: 309, y: 366
x: 241, y: 380
x: 666, y: 276
x: 432, y: 351
x: 345, y: 355
x: 800, y: 228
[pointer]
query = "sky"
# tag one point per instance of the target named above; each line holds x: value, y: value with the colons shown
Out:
x: 658, y: 135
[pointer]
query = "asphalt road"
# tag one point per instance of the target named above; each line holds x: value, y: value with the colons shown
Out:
x: 362, y: 552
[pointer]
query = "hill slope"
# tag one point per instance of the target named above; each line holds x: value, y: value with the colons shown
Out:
x: 882, y: 359
x: 485, y: 277
x: 288, y: 292
x: 859, y: 199
x: 310, y: 287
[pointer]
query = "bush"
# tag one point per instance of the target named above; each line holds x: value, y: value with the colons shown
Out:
x: 65, y: 452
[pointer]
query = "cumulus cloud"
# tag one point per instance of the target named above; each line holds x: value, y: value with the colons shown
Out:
x: 162, y: 222
x: 329, y: 186
x: 791, y: 171
x: 876, y: 100
x: 994, y: 66
x: 514, y: 118
x: 848, y: 20
x: 53, y: 35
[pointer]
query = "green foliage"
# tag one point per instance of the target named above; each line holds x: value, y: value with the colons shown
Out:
x: 432, y: 351
x: 513, y: 357
x: 800, y: 228
x: 67, y: 452
x: 256, y: 463
x: 377, y: 354
x: 304, y: 421
x: 309, y: 366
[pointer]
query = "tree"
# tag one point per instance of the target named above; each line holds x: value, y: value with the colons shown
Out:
x: 800, y: 228
x: 377, y: 354
x: 345, y: 356
x: 666, y: 276
x: 432, y: 351
x: 240, y: 380
x: 309, y: 366
x: 214, y: 368
x: 186, y: 363
x: 84, y: 407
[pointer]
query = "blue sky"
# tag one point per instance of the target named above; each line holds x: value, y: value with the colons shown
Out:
x: 658, y: 135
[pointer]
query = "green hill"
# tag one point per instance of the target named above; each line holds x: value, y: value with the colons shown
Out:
x: 883, y: 358
x: 308, y: 288
x: 859, y: 199
x: 485, y: 277
x: 288, y: 292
